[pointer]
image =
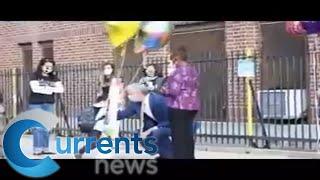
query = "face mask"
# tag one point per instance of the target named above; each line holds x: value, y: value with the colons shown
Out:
x: 150, y: 73
x: 134, y: 98
x: 107, y: 72
x: 47, y: 69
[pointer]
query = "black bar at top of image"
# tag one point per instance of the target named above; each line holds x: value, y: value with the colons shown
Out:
x: 218, y: 169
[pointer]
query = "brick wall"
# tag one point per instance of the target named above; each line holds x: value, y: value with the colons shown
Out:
x: 240, y: 35
x: 73, y: 41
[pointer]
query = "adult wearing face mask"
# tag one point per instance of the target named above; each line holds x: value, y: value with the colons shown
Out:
x: 44, y: 85
x: 153, y: 111
x: 98, y: 110
x: 182, y: 92
x: 152, y: 79
x: 105, y: 81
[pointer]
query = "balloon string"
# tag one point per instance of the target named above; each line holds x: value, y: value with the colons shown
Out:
x: 143, y: 65
x: 136, y: 74
x: 123, y: 58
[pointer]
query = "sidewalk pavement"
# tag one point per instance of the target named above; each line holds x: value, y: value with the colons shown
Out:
x: 201, y: 152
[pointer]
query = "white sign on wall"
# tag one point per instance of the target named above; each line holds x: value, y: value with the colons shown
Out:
x: 246, y: 68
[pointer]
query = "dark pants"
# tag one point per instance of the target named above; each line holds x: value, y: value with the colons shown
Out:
x: 182, y: 133
x: 93, y: 133
x: 163, y: 142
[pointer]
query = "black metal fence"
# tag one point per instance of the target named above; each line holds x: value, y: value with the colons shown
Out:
x: 283, y: 87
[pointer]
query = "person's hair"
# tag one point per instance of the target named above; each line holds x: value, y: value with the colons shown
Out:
x: 137, y: 87
x: 158, y: 72
x: 42, y: 62
x: 181, y: 52
x: 109, y: 64
x: 104, y: 77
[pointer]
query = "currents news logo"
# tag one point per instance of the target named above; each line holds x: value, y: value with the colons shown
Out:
x: 38, y: 168
x: 11, y: 144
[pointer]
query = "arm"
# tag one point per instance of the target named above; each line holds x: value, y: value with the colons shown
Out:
x: 58, y: 87
x: 36, y: 88
x: 173, y: 85
x: 141, y: 81
x: 128, y: 112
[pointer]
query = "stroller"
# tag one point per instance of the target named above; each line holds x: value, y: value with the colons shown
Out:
x: 90, y: 115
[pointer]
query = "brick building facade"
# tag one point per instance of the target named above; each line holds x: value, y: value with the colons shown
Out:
x: 86, y: 41
x: 73, y: 41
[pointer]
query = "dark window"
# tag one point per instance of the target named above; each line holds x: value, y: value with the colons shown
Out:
x: 23, y: 94
x: 47, y: 49
x: 26, y: 49
x: 283, y: 65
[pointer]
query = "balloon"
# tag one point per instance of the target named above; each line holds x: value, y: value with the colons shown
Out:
x: 294, y: 27
x: 155, y: 27
x: 120, y: 32
x: 311, y: 27
x: 153, y: 35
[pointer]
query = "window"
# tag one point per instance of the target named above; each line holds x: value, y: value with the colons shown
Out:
x: 26, y: 50
x: 47, y: 49
x: 26, y: 54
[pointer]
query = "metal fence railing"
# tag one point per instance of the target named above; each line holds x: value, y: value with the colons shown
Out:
x: 284, y: 89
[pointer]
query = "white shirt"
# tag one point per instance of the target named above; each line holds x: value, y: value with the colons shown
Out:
x: 146, y: 105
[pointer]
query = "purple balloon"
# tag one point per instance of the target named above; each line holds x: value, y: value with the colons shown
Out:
x: 311, y: 27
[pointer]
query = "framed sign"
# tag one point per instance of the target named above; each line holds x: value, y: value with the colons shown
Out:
x: 246, y: 68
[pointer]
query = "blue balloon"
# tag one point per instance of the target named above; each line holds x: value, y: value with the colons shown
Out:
x: 152, y: 43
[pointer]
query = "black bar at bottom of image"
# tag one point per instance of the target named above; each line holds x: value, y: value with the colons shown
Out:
x: 217, y: 168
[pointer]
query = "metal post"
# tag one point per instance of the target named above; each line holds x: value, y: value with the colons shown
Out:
x: 249, y: 107
x: 14, y: 92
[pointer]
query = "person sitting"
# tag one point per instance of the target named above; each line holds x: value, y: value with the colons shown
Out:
x: 152, y: 79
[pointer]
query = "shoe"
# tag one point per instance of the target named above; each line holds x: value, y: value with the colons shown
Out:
x: 47, y: 152
x: 78, y: 156
x: 37, y: 154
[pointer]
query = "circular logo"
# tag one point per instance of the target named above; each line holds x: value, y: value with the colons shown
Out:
x: 36, y: 118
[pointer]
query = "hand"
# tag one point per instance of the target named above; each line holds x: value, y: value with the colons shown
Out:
x: 42, y: 83
x: 151, y: 88
x: 52, y: 84
x: 162, y: 89
x: 144, y: 135
x: 148, y: 132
